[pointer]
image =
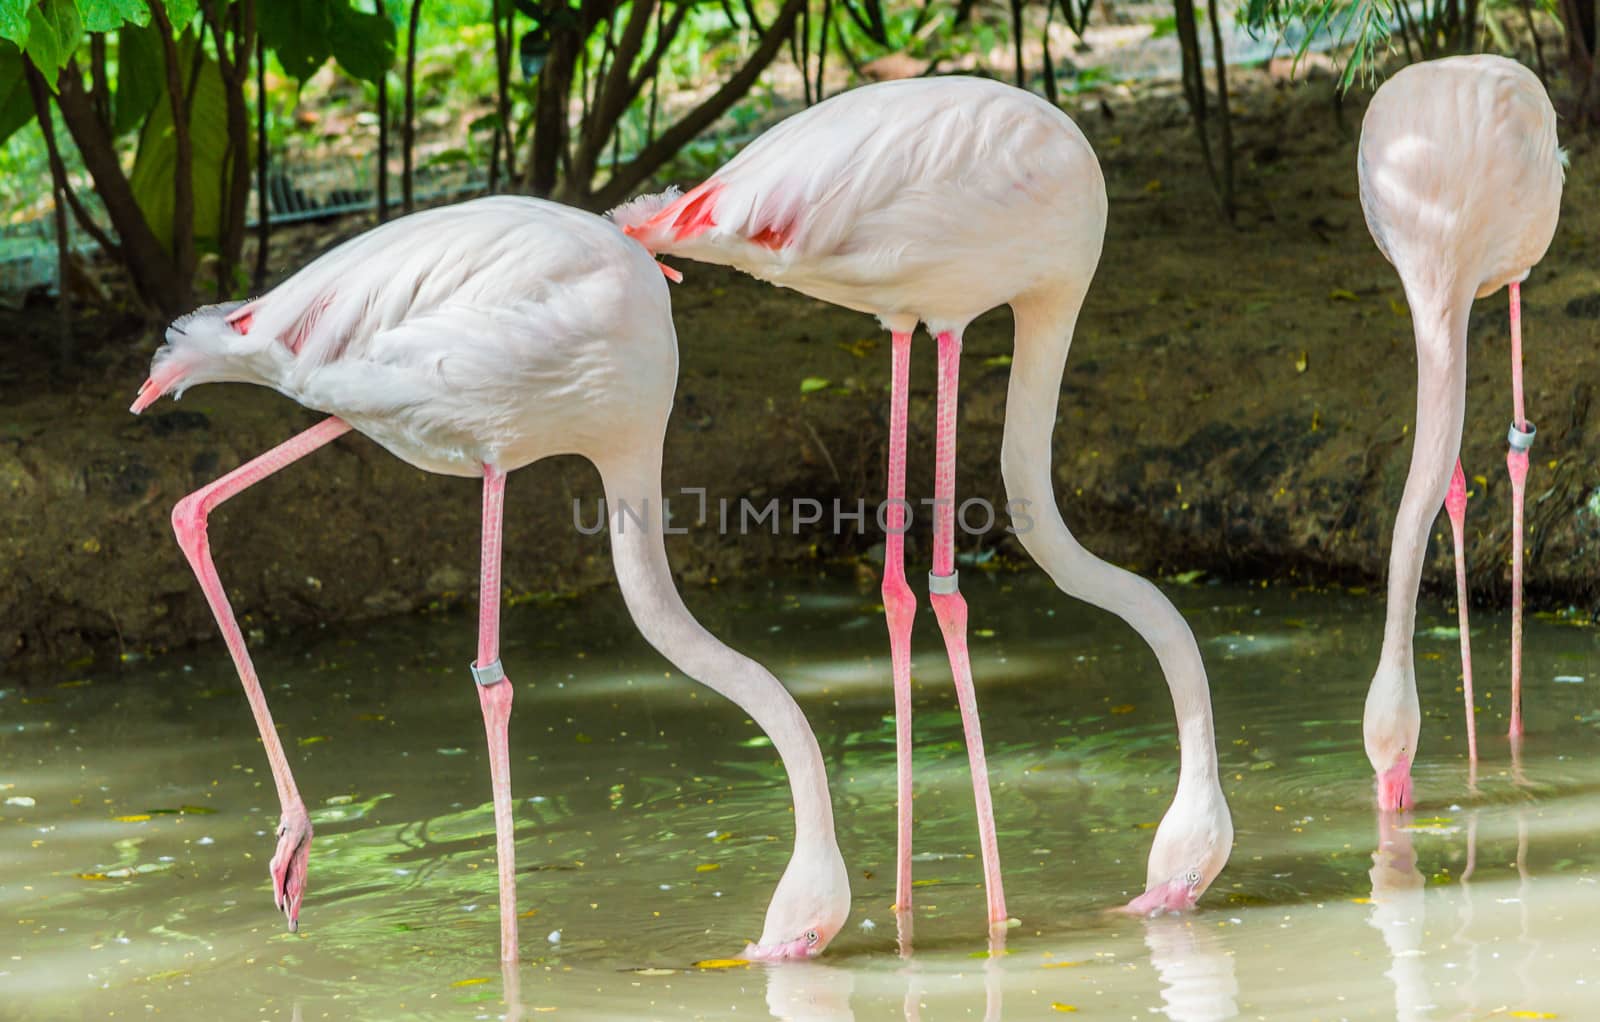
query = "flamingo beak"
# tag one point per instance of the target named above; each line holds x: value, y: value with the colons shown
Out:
x: 1394, y: 787
x: 1172, y: 896
x: 160, y: 382
x: 798, y: 949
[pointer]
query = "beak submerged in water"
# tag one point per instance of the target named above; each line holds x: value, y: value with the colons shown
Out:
x: 1172, y: 896
x: 798, y: 949
x: 1394, y: 787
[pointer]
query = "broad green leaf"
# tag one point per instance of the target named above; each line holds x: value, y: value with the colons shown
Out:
x: 53, y: 31
x: 16, y: 105
x: 109, y: 15
x: 363, y: 44
x: 181, y: 12
x: 298, y: 32
x: 141, y: 76
x: 14, y: 21
x: 151, y: 179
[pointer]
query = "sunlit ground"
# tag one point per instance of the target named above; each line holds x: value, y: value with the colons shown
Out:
x: 136, y: 819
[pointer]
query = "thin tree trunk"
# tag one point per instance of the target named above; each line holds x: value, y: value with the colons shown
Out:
x: 1050, y: 91
x: 1194, y: 82
x: 805, y: 52
x: 383, y: 147
x: 1221, y: 60
x: 1538, y: 47
x: 1016, y: 42
x: 263, y: 209
x: 234, y: 69
x: 140, y: 252
x: 499, y: 77
x: 409, y: 128
x: 504, y: 90
x: 37, y: 90
x: 822, y: 50
x: 99, y: 90
x: 183, y: 254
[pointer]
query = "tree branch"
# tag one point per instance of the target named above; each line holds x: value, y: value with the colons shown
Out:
x: 140, y: 252
x: 631, y: 174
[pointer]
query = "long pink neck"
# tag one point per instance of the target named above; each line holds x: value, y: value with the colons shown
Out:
x: 633, y: 502
x: 1044, y: 334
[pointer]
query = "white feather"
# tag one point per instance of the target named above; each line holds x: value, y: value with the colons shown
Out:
x: 637, y: 210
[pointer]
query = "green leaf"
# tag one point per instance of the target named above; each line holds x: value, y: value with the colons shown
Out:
x: 298, y: 32
x: 109, y: 15
x: 813, y: 383
x: 16, y: 104
x: 363, y: 44
x: 53, y: 31
x: 151, y: 179
x: 181, y: 12
x: 14, y: 21
x: 141, y: 76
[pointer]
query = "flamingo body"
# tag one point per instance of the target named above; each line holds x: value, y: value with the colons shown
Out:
x: 499, y: 331
x: 931, y: 200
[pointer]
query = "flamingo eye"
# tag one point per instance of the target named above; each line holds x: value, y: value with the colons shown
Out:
x: 811, y: 937
x: 1192, y: 877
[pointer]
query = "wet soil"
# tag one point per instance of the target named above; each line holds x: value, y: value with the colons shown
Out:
x: 1237, y: 401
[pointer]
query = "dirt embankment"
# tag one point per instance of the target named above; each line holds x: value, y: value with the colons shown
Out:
x: 1237, y: 400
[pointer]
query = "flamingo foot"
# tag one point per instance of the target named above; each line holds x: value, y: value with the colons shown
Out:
x: 290, y: 862
x: 1394, y: 788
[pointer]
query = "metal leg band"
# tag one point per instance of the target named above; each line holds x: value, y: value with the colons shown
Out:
x: 493, y: 674
x: 944, y: 585
x: 1519, y: 440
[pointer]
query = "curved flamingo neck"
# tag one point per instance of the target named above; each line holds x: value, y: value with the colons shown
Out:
x: 1043, y: 337
x: 633, y: 505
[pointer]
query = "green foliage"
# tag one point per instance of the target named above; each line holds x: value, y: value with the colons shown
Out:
x: 1361, y: 24
x: 152, y: 175
x: 53, y: 31
x: 141, y: 76
x: 16, y: 103
x: 363, y: 43
x: 109, y: 15
x: 305, y: 33
x: 297, y: 31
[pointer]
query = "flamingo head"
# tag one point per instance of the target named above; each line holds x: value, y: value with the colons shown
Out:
x: 808, y: 909
x: 212, y: 344
x: 1191, y: 847
x: 1391, y: 727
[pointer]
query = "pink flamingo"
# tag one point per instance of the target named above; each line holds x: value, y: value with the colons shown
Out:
x: 470, y: 341
x: 1461, y: 186
x: 932, y: 201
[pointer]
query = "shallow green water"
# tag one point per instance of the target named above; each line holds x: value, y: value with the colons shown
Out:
x: 653, y: 823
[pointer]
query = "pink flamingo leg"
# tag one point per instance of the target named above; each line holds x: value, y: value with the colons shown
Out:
x: 951, y: 610
x: 1455, y: 502
x: 900, y: 607
x: 1517, y: 466
x: 293, y: 854
x: 494, y: 695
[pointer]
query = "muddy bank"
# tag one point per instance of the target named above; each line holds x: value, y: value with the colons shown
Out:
x: 1237, y: 400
